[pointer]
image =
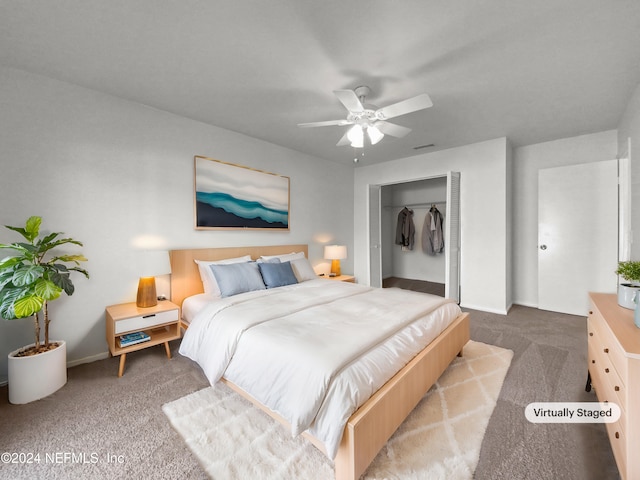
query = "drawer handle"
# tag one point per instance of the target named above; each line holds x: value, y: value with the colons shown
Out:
x: 616, y: 388
x: 149, y: 316
x: 606, y: 370
x: 591, y: 334
x: 593, y: 361
x: 617, y: 435
x: 606, y: 350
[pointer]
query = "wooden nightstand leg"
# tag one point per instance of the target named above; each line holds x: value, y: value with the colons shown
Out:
x: 168, y: 350
x: 123, y: 358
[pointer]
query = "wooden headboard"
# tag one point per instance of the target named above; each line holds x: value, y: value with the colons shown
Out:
x: 185, y: 277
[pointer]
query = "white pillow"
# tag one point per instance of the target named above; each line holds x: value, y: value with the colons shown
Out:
x: 287, y: 257
x: 303, y: 270
x: 206, y: 274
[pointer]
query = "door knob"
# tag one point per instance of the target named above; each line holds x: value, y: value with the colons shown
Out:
x: 543, y: 247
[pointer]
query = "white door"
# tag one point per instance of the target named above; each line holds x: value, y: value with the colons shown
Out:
x: 375, y: 250
x: 577, y: 234
x: 452, y: 238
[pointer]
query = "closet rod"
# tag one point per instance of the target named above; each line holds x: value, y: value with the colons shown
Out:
x: 417, y: 205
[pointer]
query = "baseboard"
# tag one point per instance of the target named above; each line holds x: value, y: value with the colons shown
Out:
x: 527, y: 304
x: 484, y: 309
x: 92, y: 358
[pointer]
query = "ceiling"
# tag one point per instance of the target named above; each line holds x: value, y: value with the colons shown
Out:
x: 532, y: 71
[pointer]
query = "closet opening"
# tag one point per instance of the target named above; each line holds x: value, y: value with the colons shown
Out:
x: 418, y: 243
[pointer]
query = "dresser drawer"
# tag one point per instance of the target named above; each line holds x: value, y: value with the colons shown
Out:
x: 608, y: 384
x: 142, y: 322
x: 618, y: 442
x: 608, y: 344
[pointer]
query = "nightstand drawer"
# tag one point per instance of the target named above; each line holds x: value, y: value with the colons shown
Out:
x: 142, y: 322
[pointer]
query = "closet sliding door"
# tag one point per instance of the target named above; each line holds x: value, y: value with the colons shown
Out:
x: 452, y: 238
x: 375, y: 232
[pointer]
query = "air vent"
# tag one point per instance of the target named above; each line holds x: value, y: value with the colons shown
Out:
x: 424, y: 146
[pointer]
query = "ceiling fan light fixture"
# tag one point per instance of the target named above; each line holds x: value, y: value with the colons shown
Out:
x: 356, y: 136
x: 375, y: 135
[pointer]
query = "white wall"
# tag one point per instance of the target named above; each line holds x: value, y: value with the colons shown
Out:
x: 629, y: 144
x: 483, y: 211
x: 527, y: 161
x: 115, y: 174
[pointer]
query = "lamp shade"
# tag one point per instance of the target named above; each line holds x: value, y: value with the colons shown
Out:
x: 375, y: 135
x: 335, y: 252
x: 356, y: 136
x: 154, y: 263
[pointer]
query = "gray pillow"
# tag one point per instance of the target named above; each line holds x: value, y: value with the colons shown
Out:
x: 237, y: 278
x: 277, y: 274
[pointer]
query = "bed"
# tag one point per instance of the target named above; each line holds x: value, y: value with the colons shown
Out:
x: 368, y: 428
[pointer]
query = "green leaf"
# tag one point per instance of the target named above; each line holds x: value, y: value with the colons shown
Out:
x: 33, y: 227
x: 71, y: 258
x: 8, y: 262
x: 5, y: 279
x: 31, y: 230
x: 63, y: 281
x: 47, y: 289
x: 27, y: 306
x: 7, y: 297
x: 48, y: 238
x: 6, y: 311
x: 80, y: 270
x: 26, y: 275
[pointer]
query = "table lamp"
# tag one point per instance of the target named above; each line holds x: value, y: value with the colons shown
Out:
x: 335, y: 253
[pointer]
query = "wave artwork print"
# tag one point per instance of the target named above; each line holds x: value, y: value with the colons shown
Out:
x: 231, y: 196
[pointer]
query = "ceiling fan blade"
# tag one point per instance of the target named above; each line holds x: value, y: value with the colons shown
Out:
x: 350, y: 100
x: 392, y: 129
x: 344, y: 140
x: 404, y: 107
x: 325, y: 124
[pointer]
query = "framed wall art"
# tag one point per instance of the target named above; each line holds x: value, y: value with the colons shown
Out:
x: 233, y: 196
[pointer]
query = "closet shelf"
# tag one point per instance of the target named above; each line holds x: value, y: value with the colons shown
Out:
x: 417, y: 205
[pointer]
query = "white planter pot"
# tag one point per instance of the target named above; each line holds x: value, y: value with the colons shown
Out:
x: 626, y: 293
x: 35, y: 377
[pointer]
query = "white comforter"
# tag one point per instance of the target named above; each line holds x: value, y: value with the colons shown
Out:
x: 315, y: 351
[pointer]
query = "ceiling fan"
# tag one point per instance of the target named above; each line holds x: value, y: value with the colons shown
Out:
x: 370, y: 119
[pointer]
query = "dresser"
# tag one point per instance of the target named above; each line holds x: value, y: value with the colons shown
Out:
x: 614, y: 367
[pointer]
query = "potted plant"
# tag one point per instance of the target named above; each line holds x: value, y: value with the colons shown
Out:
x: 630, y: 271
x: 30, y: 278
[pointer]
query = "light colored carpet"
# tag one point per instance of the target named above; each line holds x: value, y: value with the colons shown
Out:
x: 441, y: 438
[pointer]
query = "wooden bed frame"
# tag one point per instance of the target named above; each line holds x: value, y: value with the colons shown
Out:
x: 371, y: 426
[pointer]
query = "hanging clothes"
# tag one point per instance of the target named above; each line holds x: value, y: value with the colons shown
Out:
x: 405, y: 230
x: 432, y: 237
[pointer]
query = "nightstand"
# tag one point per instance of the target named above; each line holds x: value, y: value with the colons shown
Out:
x: 343, y: 278
x: 161, y: 323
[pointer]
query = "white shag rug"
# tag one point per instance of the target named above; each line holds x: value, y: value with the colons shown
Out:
x: 440, y: 439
